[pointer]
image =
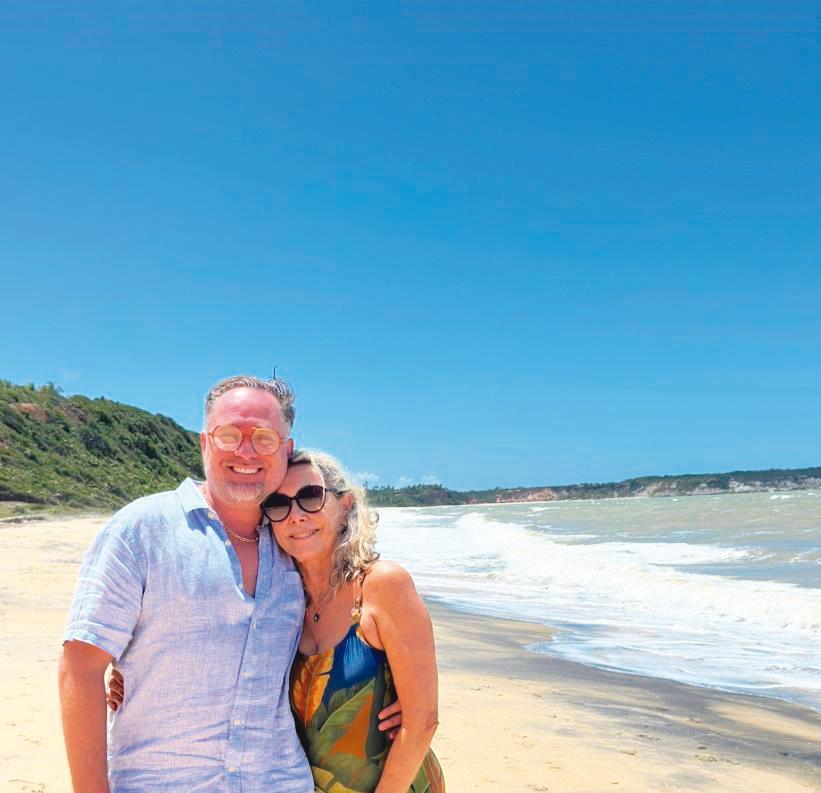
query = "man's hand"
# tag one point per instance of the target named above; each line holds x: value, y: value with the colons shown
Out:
x: 116, y: 690
x: 390, y: 718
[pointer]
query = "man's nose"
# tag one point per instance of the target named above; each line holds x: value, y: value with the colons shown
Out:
x: 246, y: 448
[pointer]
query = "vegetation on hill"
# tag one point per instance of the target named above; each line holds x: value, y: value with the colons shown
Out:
x: 58, y: 451
x: 684, y: 485
x: 82, y: 452
x: 414, y: 496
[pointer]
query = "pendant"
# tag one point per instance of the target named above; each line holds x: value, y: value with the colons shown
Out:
x: 316, y: 617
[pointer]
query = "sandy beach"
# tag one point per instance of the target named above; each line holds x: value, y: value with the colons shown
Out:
x: 510, y: 720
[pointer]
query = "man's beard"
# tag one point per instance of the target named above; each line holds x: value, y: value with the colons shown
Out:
x: 238, y: 493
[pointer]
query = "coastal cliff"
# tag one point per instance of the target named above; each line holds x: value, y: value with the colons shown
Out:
x: 58, y: 451
x: 645, y: 486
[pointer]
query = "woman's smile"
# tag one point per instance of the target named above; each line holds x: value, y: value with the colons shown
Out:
x: 303, y: 535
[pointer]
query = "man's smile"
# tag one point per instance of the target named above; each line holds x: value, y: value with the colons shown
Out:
x: 244, y: 469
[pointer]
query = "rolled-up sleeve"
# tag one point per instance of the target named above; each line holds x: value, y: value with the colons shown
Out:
x: 108, y: 597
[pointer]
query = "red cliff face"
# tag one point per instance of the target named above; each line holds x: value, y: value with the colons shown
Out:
x: 31, y: 410
x: 534, y: 494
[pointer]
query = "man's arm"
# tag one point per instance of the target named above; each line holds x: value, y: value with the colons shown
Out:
x: 82, y: 701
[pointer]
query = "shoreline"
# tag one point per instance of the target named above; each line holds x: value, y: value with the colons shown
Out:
x: 561, y: 725
x: 813, y: 488
x: 436, y: 602
x: 9, y: 521
x: 93, y: 512
x: 511, y: 720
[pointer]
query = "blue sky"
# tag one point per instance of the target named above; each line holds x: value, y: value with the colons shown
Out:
x: 488, y: 243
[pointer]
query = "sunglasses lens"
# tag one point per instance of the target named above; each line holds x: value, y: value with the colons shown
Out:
x: 311, y: 498
x: 276, y: 506
x: 227, y: 438
x: 265, y: 441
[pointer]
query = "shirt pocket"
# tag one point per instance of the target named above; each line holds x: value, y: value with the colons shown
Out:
x: 193, y: 600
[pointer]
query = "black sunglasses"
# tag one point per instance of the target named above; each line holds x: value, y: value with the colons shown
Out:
x: 310, y: 498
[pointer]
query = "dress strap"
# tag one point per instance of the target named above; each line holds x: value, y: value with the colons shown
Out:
x: 356, y: 611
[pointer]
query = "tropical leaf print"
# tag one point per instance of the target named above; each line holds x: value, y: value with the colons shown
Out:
x: 338, y: 723
x: 343, y: 695
x: 430, y: 778
x: 308, y: 684
x: 322, y: 778
x: 352, y: 772
x: 376, y: 742
x: 355, y: 737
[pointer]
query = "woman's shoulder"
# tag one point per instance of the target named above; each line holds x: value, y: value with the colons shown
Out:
x: 386, y: 578
x: 393, y: 606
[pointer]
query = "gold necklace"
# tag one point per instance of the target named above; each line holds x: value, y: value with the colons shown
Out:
x: 236, y: 536
x: 240, y: 537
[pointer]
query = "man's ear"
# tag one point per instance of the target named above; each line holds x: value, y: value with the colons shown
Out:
x: 203, y: 441
x: 290, y: 447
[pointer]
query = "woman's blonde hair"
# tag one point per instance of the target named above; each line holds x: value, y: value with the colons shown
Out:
x: 354, y: 552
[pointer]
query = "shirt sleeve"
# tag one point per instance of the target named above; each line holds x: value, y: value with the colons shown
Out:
x: 108, y: 597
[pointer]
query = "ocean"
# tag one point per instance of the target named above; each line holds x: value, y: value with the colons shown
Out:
x: 721, y: 591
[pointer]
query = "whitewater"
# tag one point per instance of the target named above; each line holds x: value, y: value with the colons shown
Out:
x: 720, y: 591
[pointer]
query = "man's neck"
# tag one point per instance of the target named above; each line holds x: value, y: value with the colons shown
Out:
x: 242, y: 518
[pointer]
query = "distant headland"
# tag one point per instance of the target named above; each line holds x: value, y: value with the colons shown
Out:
x: 644, y: 486
x: 59, y: 452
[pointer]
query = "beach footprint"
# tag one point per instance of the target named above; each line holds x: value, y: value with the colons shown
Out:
x: 27, y: 786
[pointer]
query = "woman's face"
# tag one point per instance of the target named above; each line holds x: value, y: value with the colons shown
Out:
x: 309, y: 535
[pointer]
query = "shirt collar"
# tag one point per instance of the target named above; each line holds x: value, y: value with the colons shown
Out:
x: 190, y: 496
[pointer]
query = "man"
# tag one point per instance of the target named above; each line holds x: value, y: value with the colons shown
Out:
x: 201, y: 612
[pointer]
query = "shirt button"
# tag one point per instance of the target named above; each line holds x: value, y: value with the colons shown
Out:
x: 228, y: 542
x: 231, y: 769
x: 212, y: 514
x: 246, y: 674
x: 237, y: 722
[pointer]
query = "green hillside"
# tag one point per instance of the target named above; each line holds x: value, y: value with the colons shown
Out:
x: 75, y: 452
x: 81, y: 452
x: 647, y: 486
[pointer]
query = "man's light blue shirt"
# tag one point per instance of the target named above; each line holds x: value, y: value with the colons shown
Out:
x: 205, y: 664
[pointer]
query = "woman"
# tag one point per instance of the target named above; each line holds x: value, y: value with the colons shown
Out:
x: 366, y: 638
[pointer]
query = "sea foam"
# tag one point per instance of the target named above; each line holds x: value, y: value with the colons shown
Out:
x: 631, y: 606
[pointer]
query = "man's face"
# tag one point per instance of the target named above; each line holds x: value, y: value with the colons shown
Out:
x: 243, y: 475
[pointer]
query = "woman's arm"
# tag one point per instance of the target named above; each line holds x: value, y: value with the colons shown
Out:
x: 405, y: 632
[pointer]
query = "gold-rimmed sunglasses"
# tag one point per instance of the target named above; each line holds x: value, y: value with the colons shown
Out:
x: 229, y: 438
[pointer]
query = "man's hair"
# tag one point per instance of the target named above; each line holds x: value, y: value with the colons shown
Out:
x: 276, y: 386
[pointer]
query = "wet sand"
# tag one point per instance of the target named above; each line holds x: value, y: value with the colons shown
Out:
x: 515, y: 721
